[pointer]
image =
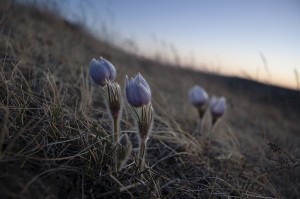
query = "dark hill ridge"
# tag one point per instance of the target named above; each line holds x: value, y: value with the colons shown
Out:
x: 277, y: 95
x: 49, y: 118
x: 288, y: 100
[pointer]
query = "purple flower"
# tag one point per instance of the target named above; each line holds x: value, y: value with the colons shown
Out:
x: 198, y: 96
x: 137, y: 90
x: 217, y: 106
x: 102, y: 71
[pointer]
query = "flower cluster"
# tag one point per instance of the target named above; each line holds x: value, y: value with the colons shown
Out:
x: 198, y: 97
x: 138, y: 95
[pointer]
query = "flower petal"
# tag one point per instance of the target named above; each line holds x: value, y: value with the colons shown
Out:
x: 110, y: 68
x: 139, y: 79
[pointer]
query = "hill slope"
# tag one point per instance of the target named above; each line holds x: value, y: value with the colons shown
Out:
x: 55, y: 129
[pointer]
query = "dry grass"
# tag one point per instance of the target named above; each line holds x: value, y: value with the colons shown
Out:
x: 55, y: 131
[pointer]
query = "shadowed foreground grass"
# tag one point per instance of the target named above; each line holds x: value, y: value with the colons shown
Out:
x: 55, y: 132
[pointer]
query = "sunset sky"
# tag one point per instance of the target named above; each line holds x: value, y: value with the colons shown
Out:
x: 256, y: 38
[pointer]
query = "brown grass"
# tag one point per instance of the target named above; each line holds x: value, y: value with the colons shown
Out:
x: 55, y: 131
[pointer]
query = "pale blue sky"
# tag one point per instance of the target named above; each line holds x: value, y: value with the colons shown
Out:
x: 223, y: 35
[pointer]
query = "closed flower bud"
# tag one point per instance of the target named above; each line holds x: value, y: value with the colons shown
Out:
x: 198, y: 96
x: 217, y: 107
x: 102, y: 71
x: 137, y: 90
x: 112, y: 91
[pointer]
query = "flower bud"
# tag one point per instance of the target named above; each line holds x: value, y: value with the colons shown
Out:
x: 198, y: 96
x: 112, y: 91
x: 102, y: 71
x: 138, y: 92
x: 217, y: 106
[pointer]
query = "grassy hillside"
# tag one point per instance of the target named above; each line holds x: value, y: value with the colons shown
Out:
x: 55, y: 130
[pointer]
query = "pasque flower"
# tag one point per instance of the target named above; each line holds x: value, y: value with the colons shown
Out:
x: 102, y: 71
x: 217, y: 107
x: 138, y: 96
x: 199, y: 98
x: 138, y: 92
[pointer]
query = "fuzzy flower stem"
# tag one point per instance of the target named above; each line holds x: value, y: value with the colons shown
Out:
x: 144, y: 126
x: 199, y: 128
x: 114, y: 105
x: 116, y: 130
x: 213, y: 126
x: 115, y: 140
x: 214, y: 121
x: 201, y: 112
x: 142, y: 155
x: 113, y: 96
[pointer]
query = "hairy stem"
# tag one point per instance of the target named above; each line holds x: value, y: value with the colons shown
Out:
x: 142, y: 155
x: 115, y: 141
x: 201, y: 113
x: 199, y: 127
x: 116, y: 130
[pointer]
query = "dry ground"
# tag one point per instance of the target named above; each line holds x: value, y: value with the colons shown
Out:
x: 54, y: 128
